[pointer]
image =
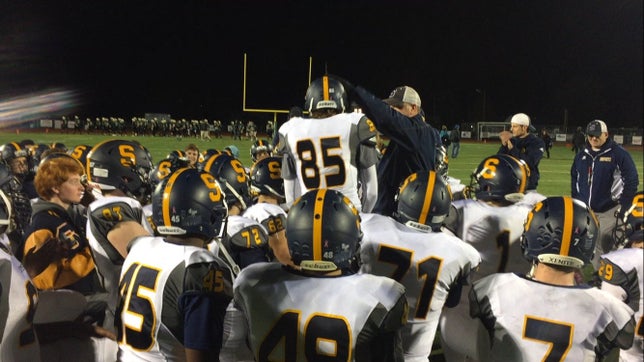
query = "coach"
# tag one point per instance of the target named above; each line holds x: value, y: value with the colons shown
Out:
x: 604, y: 176
x: 412, y: 141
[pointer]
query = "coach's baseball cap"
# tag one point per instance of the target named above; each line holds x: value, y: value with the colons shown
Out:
x: 596, y: 128
x: 403, y: 94
x: 520, y: 119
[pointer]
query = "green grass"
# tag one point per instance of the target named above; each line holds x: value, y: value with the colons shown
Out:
x: 555, y: 171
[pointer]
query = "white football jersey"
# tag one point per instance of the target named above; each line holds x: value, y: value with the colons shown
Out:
x: 287, y: 316
x: 103, y: 215
x: 495, y: 232
x: 18, y: 302
x: 427, y: 264
x: 323, y: 153
x: 532, y: 321
x: 622, y: 274
x: 271, y: 216
x: 166, y: 291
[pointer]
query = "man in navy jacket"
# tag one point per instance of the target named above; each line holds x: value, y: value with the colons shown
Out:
x: 604, y: 176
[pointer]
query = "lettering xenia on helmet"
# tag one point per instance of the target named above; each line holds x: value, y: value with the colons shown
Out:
x: 499, y: 178
x: 189, y: 203
x: 323, y: 231
x: 123, y: 165
x: 561, y: 231
x: 630, y: 228
x: 424, y: 201
x: 325, y: 93
x: 266, y: 178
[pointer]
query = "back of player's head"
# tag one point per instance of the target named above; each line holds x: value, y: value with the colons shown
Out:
x: 325, y: 93
x: 266, y: 178
x: 120, y: 164
x: 423, y: 201
x: 232, y: 177
x: 189, y: 203
x: 323, y: 231
x: 630, y: 228
x: 498, y: 178
x: 560, y: 231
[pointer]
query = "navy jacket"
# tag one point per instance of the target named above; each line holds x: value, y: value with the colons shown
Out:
x: 529, y: 149
x: 412, y: 147
x: 604, y: 178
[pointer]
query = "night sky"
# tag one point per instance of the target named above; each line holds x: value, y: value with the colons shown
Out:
x: 127, y: 58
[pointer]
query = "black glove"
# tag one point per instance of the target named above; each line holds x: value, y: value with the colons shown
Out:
x: 348, y: 86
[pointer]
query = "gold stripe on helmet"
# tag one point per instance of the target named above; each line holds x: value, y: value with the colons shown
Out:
x: 325, y: 88
x: 317, y: 224
x: 427, y: 203
x: 567, y: 225
x: 165, y: 203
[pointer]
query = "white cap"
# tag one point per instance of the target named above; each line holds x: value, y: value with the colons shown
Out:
x: 520, y: 119
x: 403, y: 94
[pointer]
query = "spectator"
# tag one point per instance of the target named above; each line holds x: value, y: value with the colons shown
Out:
x: 455, y: 139
x: 412, y: 249
x: 191, y: 286
x: 604, y: 176
x: 329, y: 149
x: 344, y: 316
x: 519, y: 317
x: 547, y: 141
x: 522, y: 144
x: 578, y: 141
x: 412, y: 142
x: 444, y: 135
x: 622, y: 272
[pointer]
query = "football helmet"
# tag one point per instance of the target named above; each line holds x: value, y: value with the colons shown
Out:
x: 498, y: 176
x: 12, y: 150
x: 423, y: 201
x: 629, y: 228
x: 442, y: 161
x: 232, y: 177
x: 5, y: 213
x: 59, y: 146
x: 266, y: 178
x: 561, y: 231
x: 80, y: 153
x: 260, y: 146
x: 189, y: 202
x: 17, y: 199
x: 326, y: 93
x: 323, y: 231
x: 36, y: 152
x: 177, y: 154
x: 119, y: 164
x: 164, y: 168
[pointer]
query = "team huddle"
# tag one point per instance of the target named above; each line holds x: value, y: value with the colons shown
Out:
x: 324, y: 249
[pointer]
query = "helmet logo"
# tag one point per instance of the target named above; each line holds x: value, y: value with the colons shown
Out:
x: 128, y: 158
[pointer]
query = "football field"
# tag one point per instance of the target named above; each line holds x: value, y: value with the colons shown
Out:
x: 555, y: 171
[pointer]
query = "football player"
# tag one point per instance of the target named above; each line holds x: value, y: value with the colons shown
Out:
x: 411, y: 249
x: 18, y: 298
x: 120, y: 168
x: 260, y: 150
x: 329, y: 150
x: 544, y: 315
x: 267, y: 185
x: 320, y: 309
x: 174, y: 292
x: 622, y: 271
x: 490, y: 219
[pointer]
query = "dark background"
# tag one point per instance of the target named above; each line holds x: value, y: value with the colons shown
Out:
x: 127, y: 58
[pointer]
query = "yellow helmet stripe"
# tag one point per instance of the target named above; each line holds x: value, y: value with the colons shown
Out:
x: 427, y: 203
x: 317, y: 224
x: 325, y: 87
x: 524, y: 175
x: 165, y: 203
x: 567, y: 226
